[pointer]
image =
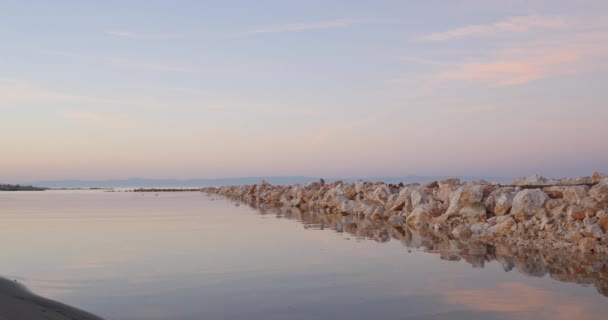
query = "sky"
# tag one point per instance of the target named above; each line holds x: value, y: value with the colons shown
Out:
x: 220, y: 89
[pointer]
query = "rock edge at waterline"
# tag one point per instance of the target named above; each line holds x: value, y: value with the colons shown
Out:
x: 16, y: 302
x: 535, y: 212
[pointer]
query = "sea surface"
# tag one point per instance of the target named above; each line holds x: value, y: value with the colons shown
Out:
x: 128, y: 256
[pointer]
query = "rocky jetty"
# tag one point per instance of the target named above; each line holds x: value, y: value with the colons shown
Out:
x: 533, y: 212
x: 166, y: 190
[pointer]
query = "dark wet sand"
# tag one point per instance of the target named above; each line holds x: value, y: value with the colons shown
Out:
x: 18, y: 303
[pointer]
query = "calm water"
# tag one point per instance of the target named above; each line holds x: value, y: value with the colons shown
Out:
x: 189, y: 256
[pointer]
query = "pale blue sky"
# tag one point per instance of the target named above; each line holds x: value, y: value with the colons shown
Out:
x: 207, y: 89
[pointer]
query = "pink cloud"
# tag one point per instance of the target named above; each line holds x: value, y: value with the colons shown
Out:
x: 509, y: 71
x: 510, y: 25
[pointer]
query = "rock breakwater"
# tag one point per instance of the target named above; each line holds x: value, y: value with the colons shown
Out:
x: 533, y: 212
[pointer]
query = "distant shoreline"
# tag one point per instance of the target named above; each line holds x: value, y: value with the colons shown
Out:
x: 17, y: 302
x: 16, y: 187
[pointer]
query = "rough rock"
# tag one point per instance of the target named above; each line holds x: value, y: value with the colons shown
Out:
x: 467, y: 194
x: 503, y: 227
x: 540, y: 213
x: 587, y: 244
x: 420, y: 216
x: 556, y: 207
x: 603, y: 223
x: 418, y: 198
x: 600, y: 191
x: 504, y: 203
x: 534, y: 180
x: 462, y: 231
x: 527, y: 202
x: 474, y: 213
x: 594, y: 231
x: 574, y: 194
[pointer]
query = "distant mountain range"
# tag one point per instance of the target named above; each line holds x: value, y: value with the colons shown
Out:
x: 193, y: 183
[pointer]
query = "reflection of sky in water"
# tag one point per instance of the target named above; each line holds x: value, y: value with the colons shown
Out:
x: 182, y: 256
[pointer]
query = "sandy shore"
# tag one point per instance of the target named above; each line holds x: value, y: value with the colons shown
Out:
x: 17, y: 303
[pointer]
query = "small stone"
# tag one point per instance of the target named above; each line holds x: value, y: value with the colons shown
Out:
x: 555, y: 192
x: 555, y: 207
x: 595, y: 231
x: 577, y: 213
x: 573, y: 236
x: 587, y: 244
x: 396, y: 220
x: 597, y: 177
x: 603, y: 223
x: 479, y: 228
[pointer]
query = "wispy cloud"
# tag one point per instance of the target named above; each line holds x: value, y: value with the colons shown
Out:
x: 510, y: 25
x: 471, y: 109
x: 164, y: 67
x: 15, y: 91
x: 105, y: 119
x: 581, y: 48
x: 292, y: 27
x: 123, y: 33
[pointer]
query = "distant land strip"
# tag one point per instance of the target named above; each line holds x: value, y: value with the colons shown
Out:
x: 16, y: 187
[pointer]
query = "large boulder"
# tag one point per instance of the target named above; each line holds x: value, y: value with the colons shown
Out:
x: 369, y: 208
x: 462, y: 231
x: 574, y: 194
x: 401, y: 201
x: 494, y: 195
x: 421, y: 215
x: 474, y: 213
x: 600, y: 191
x: 534, y: 180
x: 418, y: 197
x: 527, y: 202
x: 348, y: 207
x: 445, y: 190
x: 555, y: 192
x: 503, y: 227
x: 467, y: 194
x: 396, y: 220
x: 381, y: 194
x: 504, y: 203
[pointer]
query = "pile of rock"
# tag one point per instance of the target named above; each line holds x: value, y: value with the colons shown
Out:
x: 532, y: 212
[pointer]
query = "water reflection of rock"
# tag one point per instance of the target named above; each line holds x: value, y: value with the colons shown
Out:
x: 563, y: 266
